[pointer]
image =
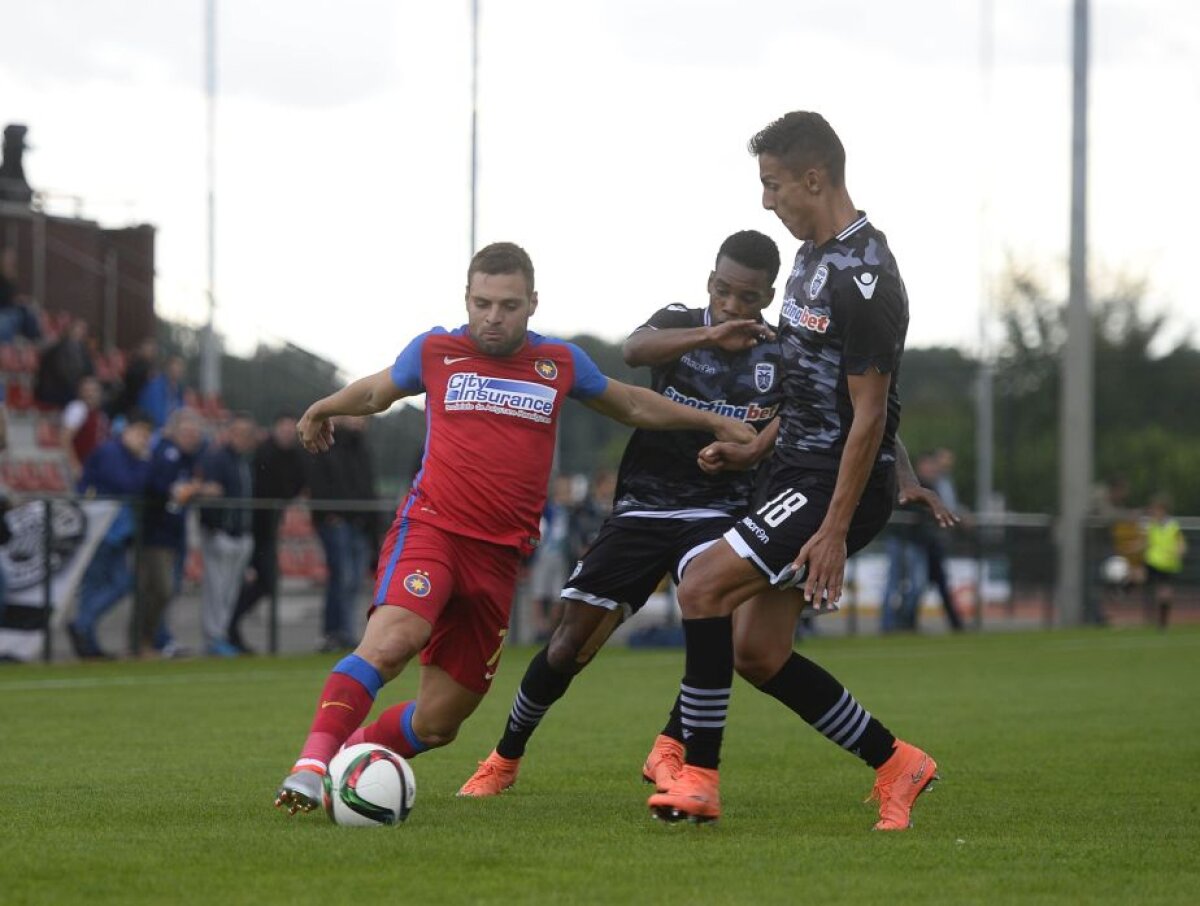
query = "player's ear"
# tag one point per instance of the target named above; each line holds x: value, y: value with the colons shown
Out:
x: 533, y: 302
x: 814, y: 180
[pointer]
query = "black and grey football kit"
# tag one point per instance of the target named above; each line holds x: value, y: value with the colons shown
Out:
x: 666, y: 509
x: 845, y: 312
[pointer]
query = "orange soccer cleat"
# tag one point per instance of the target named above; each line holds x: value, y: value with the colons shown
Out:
x: 494, y: 775
x: 664, y: 763
x: 898, y: 783
x: 693, y: 796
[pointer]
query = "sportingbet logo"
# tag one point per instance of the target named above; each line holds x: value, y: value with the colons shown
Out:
x: 804, y: 317
x: 751, y: 413
x: 468, y: 391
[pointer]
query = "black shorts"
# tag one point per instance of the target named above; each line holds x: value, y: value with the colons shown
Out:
x: 631, y: 554
x: 789, y: 506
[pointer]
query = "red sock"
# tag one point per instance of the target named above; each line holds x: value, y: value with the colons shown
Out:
x: 344, y: 704
x: 393, y: 729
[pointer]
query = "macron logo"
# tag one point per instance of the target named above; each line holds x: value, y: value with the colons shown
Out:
x: 866, y: 284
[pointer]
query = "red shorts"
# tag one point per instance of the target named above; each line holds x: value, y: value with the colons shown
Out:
x: 462, y: 586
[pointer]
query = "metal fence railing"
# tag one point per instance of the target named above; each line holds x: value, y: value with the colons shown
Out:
x: 1000, y: 575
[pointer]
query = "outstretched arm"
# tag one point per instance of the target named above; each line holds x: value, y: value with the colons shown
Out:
x: 366, y: 396
x: 720, y: 456
x: 644, y: 408
x: 649, y: 346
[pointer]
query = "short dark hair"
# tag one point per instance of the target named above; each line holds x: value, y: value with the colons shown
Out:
x: 502, y: 258
x: 803, y: 139
x: 136, y: 415
x: 752, y: 249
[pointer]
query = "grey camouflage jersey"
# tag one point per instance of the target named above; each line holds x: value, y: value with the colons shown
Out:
x: 658, y: 472
x: 845, y: 311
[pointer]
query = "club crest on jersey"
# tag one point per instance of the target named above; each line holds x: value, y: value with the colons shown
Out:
x: 818, y: 281
x: 417, y: 584
x: 546, y: 368
x: 764, y: 376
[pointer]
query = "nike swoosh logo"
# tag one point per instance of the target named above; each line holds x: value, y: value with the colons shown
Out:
x: 325, y: 705
x: 488, y: 676
x: 920, y: 771
x: 450, y: 360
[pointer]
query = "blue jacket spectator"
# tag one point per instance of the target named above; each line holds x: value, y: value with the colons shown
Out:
x: 163, y: 394
x: 118, y: 467
x: 170, y: 487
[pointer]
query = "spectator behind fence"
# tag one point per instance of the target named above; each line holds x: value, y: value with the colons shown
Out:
x: 908, y: 562
x: 344, y: 473
x: 279, y: 474
x: 64, y: 363
x: 591, y: 512
x: 141, y: 367
x: 117, y: 468
x: 550, y: 563
x: 225, y: 538
x: 1165, y: 547
x: 17, y: 319
x: 171, y: 485
x: 936, y: 472
x: 85, y: 425
x: 163, y: 393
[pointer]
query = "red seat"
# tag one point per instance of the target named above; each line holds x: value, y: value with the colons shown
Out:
x: 48, y: 433
x: 18, y: 395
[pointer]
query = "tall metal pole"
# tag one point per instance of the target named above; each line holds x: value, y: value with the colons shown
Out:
x: 984, y: 406
x: 1076, y: 422
x: 474, y: 118
x: 210, y: 376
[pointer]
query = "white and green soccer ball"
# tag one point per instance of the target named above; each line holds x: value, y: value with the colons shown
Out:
x: 368, y: 785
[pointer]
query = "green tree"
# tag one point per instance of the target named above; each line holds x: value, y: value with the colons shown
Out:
x: 1146, y: 423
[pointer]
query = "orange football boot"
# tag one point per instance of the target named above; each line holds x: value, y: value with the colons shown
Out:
x: 494, y: 775
x: 898, y: 783
x: 693, y: 796
x: 664, y: 763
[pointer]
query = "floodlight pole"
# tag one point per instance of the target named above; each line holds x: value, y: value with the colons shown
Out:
x: 984, y: 396
x: 474, y: 119
x: 210, y: 373
x: 1077, y: 419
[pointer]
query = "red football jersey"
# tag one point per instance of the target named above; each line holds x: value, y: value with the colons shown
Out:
x: 490, y: 430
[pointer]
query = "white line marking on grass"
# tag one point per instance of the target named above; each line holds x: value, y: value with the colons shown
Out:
x: 177, y: 679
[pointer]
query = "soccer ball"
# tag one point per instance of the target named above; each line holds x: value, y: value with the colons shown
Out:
x: 368, y: 785
x: 1115, y: 570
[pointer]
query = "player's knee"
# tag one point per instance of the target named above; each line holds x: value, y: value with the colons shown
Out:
x: 562, y: 654
x: 754, y: 665
x: 697, y: 599
x: 388, y: 652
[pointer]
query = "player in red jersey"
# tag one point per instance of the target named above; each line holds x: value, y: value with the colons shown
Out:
x: 447, y: 570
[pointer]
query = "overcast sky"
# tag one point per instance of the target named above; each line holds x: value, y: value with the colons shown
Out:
x: 612, y: 146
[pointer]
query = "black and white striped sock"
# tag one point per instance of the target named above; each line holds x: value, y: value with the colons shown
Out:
x: 540, y: 688
x: 828, y: 706
x: 707, y: 684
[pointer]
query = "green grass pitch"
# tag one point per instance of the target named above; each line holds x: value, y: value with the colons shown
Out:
x: 1069, y: 764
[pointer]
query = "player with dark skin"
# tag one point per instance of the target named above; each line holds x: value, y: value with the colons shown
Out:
x: 629, y: 546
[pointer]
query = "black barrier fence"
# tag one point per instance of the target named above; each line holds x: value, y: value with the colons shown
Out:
x: 1000, y: 572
